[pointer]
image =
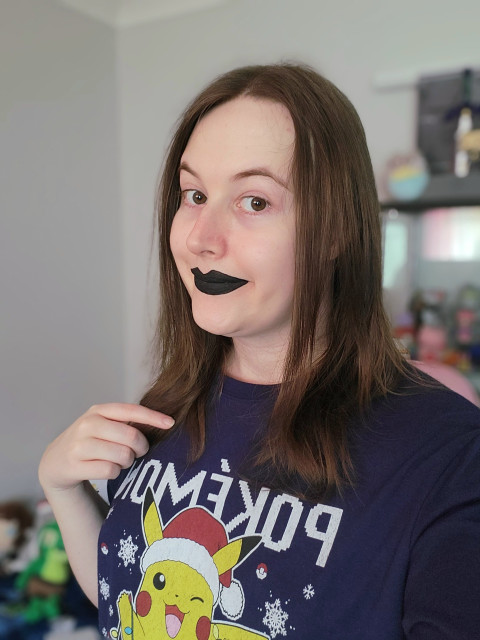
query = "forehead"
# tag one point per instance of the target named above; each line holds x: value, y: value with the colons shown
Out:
x: 243, y: 131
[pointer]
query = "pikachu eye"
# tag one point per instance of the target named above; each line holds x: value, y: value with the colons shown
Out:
x: 159, y: 581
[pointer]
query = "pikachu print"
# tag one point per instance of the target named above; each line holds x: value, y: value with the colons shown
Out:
x: 187, y: 572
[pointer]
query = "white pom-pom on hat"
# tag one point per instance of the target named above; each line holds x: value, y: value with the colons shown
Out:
x: 232, y: 600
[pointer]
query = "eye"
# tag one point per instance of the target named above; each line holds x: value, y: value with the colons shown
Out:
x: 197, y: 598
x: 254, y: 204
x: 159, y: 581
x: 194, y: 197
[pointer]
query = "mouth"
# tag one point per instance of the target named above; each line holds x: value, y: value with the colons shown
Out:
x: 173, y: 620
x: 215, y: 283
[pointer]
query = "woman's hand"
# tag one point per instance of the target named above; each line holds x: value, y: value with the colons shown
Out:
x: 98, y: 445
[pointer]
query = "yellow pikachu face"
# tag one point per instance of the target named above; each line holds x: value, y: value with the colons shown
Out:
x: 174, y: 601
x: 183, y: 577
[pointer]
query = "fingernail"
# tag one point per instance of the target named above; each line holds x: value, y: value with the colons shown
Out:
x: 168, y: 422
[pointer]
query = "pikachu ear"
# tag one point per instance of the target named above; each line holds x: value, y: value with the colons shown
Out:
x: 234, y: 553
x: 152, y: 526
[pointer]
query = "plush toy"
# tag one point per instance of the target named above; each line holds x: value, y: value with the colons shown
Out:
x: 15, y: 520
x: 44, y: 580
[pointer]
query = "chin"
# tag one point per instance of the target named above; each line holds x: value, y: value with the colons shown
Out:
x: 213, y: 317
x: 214, y: 328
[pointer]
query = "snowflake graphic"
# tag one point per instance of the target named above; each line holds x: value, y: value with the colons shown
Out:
x: 104, y: 589
x: 225, y: 465
x: 110, y: 610
x: 104, y: 633
x: 308, y: 592
x: 127, y: 551
x: 275, y: 619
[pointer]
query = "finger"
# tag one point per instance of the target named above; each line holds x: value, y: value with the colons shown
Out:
x: 124, y: 412
x: 103, y: 429
x: 101, y: 450
x: 101, y: 470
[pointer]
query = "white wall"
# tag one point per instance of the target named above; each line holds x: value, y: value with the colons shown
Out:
x: 85, y: 119
x: 61, y: 315
x: 163, y: 64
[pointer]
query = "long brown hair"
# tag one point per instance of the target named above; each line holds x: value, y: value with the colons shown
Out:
x: 338, y: 293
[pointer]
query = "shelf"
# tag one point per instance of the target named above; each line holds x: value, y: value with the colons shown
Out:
x: 442, y: 191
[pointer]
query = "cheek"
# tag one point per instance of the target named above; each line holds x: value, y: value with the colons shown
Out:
x: 178, y: 235
x: 203, y: 628
x: 275, y: 264
x: 178, y: 248
x: 143, y: 603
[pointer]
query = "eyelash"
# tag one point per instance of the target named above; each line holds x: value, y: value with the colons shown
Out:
x: 186, y: 192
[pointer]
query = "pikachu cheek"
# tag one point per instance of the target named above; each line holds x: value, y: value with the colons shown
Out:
x: 143, y: 603
x: 203, y: 628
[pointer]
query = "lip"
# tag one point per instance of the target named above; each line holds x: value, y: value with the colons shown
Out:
x: 216, y: 283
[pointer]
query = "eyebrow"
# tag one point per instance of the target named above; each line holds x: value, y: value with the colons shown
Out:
x: 255, y: 171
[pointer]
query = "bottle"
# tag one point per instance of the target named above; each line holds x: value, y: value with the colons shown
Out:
x: 462, y: 160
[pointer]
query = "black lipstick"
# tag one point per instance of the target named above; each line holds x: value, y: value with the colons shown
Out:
x: 215, y: 283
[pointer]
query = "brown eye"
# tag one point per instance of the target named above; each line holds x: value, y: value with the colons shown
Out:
x: 193, y: 197
x: 254, y: 204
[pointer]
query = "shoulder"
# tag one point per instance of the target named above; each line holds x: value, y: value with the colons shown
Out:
x: 413, y: 435
x: 426, y: 407
x: 450, y: 377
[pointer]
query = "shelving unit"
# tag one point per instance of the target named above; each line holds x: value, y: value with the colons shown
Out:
x: 443, y: 191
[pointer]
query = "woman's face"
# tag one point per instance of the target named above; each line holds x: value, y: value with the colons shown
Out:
x: 233, y: 237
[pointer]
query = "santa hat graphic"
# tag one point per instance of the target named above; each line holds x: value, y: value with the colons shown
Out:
x: 193, y: 537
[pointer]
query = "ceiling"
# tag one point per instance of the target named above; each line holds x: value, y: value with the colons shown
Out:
x: 125, y: 13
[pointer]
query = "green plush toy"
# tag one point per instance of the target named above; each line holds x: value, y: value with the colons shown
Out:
x: 43, y: 580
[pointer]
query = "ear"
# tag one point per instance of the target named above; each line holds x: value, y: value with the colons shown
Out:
x: 152, y: 526
x: 234, y: 553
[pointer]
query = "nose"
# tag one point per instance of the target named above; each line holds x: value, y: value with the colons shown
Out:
x: 208, y: 235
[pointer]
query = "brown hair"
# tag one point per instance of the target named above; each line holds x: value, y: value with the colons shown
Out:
x: 338, y: 293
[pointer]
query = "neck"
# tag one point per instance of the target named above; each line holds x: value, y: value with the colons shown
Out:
x: 257, y: 363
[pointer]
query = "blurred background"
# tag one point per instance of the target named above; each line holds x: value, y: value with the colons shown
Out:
x: 89, y: 95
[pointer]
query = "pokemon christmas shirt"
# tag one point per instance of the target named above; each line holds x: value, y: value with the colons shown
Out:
x: 195, y: 552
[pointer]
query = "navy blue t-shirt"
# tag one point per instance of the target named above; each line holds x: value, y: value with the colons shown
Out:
x: 195, y: 552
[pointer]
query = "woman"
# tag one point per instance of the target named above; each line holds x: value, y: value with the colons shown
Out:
x: 313, y: 485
